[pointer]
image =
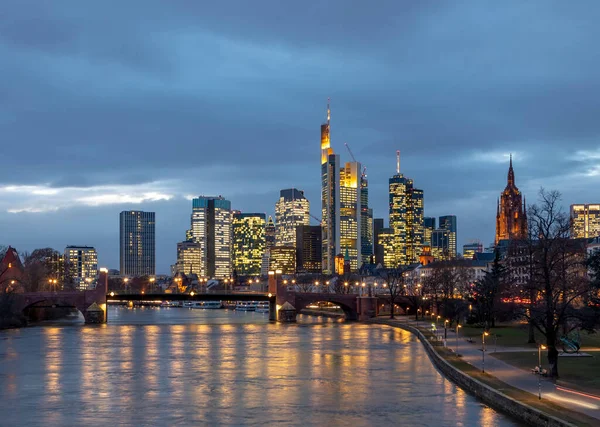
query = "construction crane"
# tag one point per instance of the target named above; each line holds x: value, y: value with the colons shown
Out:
x: 318, y: 219
x: 349, y: 151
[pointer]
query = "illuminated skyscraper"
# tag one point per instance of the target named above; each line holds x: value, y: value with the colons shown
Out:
x: 386, y: 239
x: 137, y: 243
x: 350, y: 213
x: 291, y: 210
x: 270, y: 232
x: 83, y: 262
x: 585, y: 221
x: 330, y: 198
x: 308, y: 249
x: 377, y: 247
x: 406, y: 218
x: 448, y: 222
x: 366, y: 221
x: 440, y: 244
x: 428, y: 227
x: 248, y: 242
x: 211, y: 228
x: 189, y: 258
x: 511, y: 215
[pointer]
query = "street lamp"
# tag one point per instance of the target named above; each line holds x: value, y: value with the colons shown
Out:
x: 445, y: 332
x: 192, y: 294
x: 152, y: 279
x: 485, y: 334
x: 540, y: 348
x: 457, y: 328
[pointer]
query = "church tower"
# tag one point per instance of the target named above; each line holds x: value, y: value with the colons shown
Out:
x: 511, y: 215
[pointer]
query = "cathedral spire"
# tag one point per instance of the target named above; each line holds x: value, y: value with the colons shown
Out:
x: 511, y: 174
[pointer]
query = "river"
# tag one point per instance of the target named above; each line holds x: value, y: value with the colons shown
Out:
x: 175, y: 366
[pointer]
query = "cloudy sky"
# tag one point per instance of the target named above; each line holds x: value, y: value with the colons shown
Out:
x: 140, y: 104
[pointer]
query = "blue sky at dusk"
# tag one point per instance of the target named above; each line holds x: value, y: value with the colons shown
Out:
x: 142, y: 104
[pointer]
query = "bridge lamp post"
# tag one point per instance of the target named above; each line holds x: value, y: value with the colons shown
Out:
x: 346, y: 287
x: 125, y: 280
x: 362, y: 290
x: 152, y: 279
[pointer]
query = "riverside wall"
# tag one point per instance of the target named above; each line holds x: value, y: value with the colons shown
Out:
x: 487, y: 394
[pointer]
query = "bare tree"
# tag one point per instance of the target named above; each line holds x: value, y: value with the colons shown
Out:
x: 395, y: 280
x: 558, y: 275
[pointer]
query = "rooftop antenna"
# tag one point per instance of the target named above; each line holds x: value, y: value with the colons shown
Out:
x: 398, y: 162
x: 328, y: 111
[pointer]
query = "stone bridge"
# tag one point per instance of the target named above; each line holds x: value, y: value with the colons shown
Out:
x: 92, y: 303
x: 355, y: 307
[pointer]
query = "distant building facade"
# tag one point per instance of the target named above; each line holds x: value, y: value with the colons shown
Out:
x: 137, y: 243
x: 83, y: 263
x: 283, y: 258
x: 189, y: 258
x: 448, y: 222
x: 308, y: 249
x: 585, y: 221
x: 291, y: 210
x: 470, y: 249
x: 248, y: 243
x: 211, y: 228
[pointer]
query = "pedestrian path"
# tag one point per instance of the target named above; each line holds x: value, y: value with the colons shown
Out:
x: 472, y: 353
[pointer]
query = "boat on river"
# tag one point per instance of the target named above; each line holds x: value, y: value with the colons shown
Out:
x: 262, y: 307
x: 207, y: 305
x: 246, y: 306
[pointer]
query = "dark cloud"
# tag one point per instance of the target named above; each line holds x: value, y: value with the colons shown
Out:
x: 226, y: 98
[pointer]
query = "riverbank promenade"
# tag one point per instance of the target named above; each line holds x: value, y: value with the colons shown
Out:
x: 470, y: 351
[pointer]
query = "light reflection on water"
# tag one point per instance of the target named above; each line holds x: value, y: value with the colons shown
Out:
x: 182, y: 367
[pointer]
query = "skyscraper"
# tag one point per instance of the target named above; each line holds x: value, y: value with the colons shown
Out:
x: 511, y: 215
x: 585, y: 221
x: 248, y: 242
x: 350, y: 214
x: 308, y: 248
x: 83, y: 263
x: 448, y: 222
x: 330, y: 198
x: 270, y: 233
x: 291, y: 210
x: 211, y: 228
x: 406, y: 218
x: 428, y: 227
x: 377, y: 246
x: 440, y: 244
x: 366, y: 221
x: 137, y: 243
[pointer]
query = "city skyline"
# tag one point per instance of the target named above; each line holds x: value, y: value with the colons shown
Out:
x: 455, y: 130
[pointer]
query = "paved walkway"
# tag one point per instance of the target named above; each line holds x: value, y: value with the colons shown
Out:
x: 524, y: 380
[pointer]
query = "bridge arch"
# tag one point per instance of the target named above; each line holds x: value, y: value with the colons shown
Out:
x: 346, y: 302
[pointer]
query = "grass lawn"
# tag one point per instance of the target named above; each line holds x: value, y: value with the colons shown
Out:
x: 582, y: 373
x: 516, y: 334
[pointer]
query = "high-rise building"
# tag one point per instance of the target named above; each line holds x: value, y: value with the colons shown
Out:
x: 440, y: 244
x: 428, y: 227
x: 248, y: 242
x: 291, y: 210
x: 511, y: 215
x: 283, y: 258
x: 189, y: 258
x: 330, y: 198
x: 378, y: 248
x: 406, y: 218
x: 585, y: 221
x: 366, y: 221
x: 137, y: 243
x: 350, y: 214
x: 83, y: 263
x: 471, y: 248
x: 211, y: 228
x: 386, y: 240
x: 308, y: 249
x: 448, y: 222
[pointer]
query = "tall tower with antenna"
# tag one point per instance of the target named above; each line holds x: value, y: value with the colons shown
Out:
x: 330, y: 198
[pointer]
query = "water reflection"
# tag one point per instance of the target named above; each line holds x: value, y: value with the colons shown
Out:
x: 175, y: 366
